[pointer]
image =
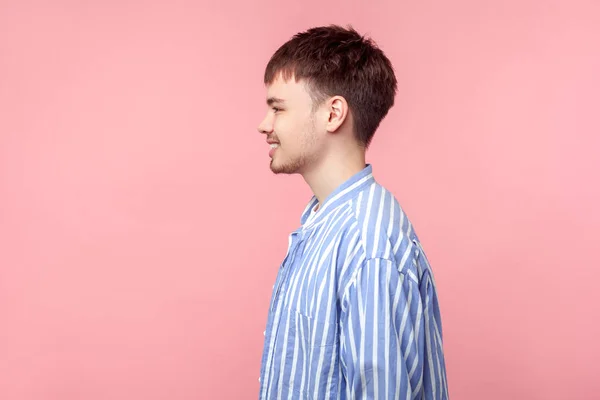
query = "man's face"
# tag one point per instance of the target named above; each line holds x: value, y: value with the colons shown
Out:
x: 290, y: 127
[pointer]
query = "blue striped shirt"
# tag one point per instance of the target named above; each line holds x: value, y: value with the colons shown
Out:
x: 354, y: 312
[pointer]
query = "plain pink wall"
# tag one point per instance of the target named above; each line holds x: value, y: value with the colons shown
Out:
x: 141, y: 229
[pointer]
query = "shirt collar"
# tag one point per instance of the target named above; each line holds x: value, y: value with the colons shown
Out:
x: 339, y: 196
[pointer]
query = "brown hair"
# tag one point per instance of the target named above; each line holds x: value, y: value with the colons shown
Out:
x: 339, y: 61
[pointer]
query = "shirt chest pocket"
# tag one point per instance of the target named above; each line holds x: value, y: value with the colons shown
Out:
x: 314, y: 332
x: 315, y: 356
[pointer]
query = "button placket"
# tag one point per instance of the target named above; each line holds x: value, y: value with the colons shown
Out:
x: 281, y: 285
x: 286, y: 265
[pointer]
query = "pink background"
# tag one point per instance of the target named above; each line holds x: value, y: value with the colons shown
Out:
x: 141, y: 229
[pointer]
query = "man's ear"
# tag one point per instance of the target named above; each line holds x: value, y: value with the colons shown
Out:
x: 337, y: 108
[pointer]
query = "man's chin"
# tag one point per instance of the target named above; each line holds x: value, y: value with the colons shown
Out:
x: 280, y: 171
x: 283, y: 169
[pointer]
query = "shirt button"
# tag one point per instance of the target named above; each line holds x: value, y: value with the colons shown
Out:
x: 264, y: 333
x: 259, y: 379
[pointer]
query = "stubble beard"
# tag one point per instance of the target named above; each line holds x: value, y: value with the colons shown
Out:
x: 300, y: 162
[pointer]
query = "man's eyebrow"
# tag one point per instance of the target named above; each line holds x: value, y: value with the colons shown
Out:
x: 273, y: 100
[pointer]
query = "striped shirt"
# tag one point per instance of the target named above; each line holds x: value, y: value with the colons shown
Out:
x: 354, y: 312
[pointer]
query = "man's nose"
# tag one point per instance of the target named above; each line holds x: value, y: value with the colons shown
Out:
x: 266, y: 126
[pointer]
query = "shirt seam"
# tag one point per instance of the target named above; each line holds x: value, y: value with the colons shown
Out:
x: 354, y: 276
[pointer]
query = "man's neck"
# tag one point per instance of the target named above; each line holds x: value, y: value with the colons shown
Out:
x: 325, y: 178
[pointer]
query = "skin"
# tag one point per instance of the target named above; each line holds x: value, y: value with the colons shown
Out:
x: 315, y: 142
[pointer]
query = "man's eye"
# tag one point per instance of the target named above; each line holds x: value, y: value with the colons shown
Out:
x: 276, y: 109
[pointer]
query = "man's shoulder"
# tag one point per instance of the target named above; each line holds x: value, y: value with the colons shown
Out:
x: 373, y: 202
x: 380, y: 220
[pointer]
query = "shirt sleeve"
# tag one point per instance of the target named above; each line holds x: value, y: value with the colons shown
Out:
x: 390, y: 337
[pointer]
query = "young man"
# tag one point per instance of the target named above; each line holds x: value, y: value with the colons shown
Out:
x: 354, y: 312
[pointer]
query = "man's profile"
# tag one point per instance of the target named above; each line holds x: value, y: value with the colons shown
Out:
x: 354, y: 312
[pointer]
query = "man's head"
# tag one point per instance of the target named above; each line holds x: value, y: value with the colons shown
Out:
x: 328, y: 89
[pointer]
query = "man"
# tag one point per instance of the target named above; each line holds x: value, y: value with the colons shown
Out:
x: 354, y: 312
